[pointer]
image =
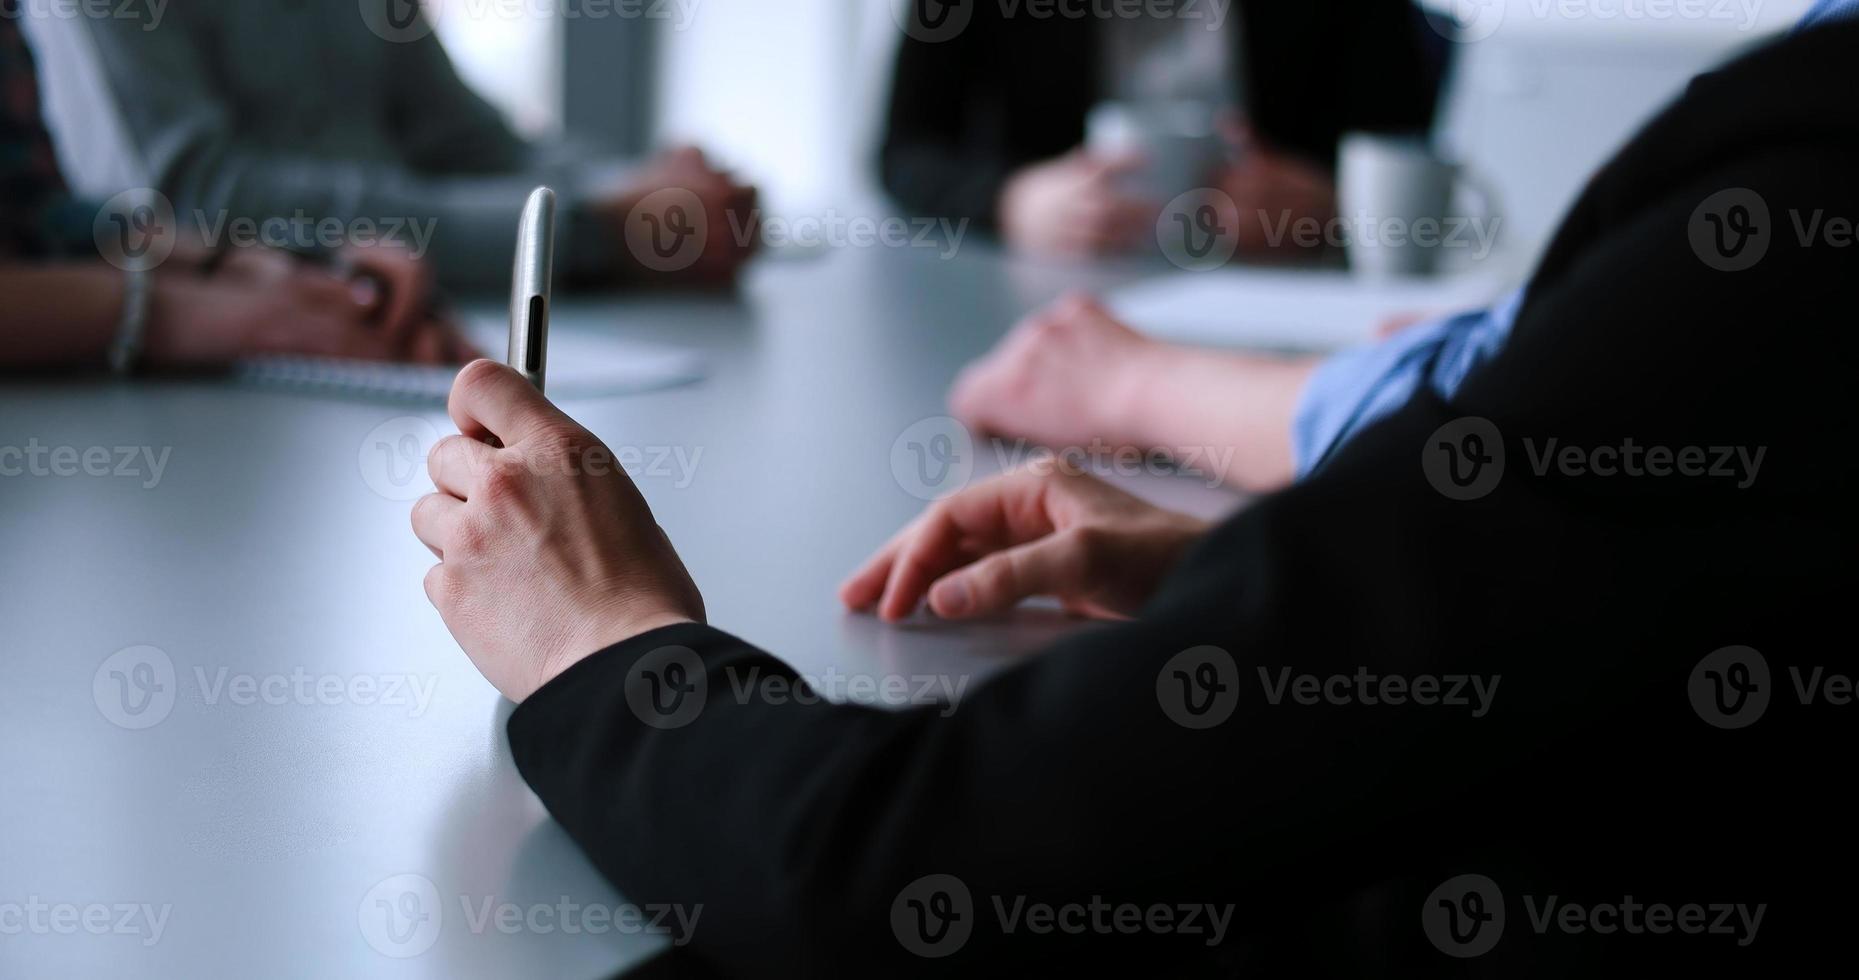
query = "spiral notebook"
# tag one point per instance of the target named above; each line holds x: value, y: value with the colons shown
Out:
x: 579, y: 367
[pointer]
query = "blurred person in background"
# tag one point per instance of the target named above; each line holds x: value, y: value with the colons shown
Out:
x: 263, y: 109
x: 1074, y: 373
x: 63, y: 307
x: 991, y: 106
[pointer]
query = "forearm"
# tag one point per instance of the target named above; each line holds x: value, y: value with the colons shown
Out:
x: 462, y: 224
x: 582, y: 744
x: 1226, y: 414
x: 791, y: 828
x: 449, y: 179
x: 796, y: 825
x: 787, y: 827
x: 58, y: 316
x: 451, y: 185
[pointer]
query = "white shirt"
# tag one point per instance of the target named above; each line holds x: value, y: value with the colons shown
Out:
x: 1149, y: 60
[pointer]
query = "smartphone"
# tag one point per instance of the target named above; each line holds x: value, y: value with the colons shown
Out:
x: 529, y: 287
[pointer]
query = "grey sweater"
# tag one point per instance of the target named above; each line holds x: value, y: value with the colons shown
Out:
x: 317, y: 111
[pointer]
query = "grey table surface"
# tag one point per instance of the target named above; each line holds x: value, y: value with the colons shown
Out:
x: 235, y: 739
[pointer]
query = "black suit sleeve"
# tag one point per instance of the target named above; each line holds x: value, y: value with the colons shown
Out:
x: 1585, y: 602
x: 1581, y: 602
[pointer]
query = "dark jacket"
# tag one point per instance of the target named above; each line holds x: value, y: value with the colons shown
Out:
x: 1596, y: 776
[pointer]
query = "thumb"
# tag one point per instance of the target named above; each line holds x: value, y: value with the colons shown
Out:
x: 492, y: 399
x: 1052, y: 565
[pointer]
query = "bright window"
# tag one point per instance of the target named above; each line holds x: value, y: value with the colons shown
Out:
x: 509, y: 51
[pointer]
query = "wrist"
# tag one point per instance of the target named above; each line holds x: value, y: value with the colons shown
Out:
x: 1137, y: 401
x: 607, y: 630
x: 167, y: 301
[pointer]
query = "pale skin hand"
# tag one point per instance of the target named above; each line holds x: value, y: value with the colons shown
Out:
x: 1038, y: 531
x: 729, y: 211
x: 264, y: 302
x: 547, y: 551
x: 399, y: 289
x: 1072, y: 375
x: 1072, y: 206
x: 258, y: 302
x: 1061, y: 377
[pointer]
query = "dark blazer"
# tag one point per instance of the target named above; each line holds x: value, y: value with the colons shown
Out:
x: 967, y: 112
x: 1590, y: 601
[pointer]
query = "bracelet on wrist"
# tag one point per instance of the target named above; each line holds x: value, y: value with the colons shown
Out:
x: 132, y: 327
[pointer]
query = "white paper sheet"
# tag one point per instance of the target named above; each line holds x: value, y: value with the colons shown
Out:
x: 580, y: 366
x: 1286, y: 310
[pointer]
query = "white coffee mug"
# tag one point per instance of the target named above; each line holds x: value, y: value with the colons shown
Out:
x: 1395, y: 201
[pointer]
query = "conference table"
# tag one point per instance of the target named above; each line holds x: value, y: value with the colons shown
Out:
x: 231, y: 724
x: 235, y: 738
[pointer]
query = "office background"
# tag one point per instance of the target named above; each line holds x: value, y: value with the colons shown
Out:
x: 275, y: 546
x: 790, y: 93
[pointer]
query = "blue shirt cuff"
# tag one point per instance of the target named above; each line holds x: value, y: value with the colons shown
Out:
x: 1357, y: 387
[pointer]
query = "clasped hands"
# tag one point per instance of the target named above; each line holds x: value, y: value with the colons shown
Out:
x: 544, y: 560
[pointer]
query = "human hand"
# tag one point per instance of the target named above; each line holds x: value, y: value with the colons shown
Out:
x: 1040, y: 530
x: 1073, y: 206
x: 387, y: 279
x: 1273, y: 191
x: 727, y: 214
x: 547, y: 552
x: 407, y: 306
x: 263, y: 301
x: 1064, y: 376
